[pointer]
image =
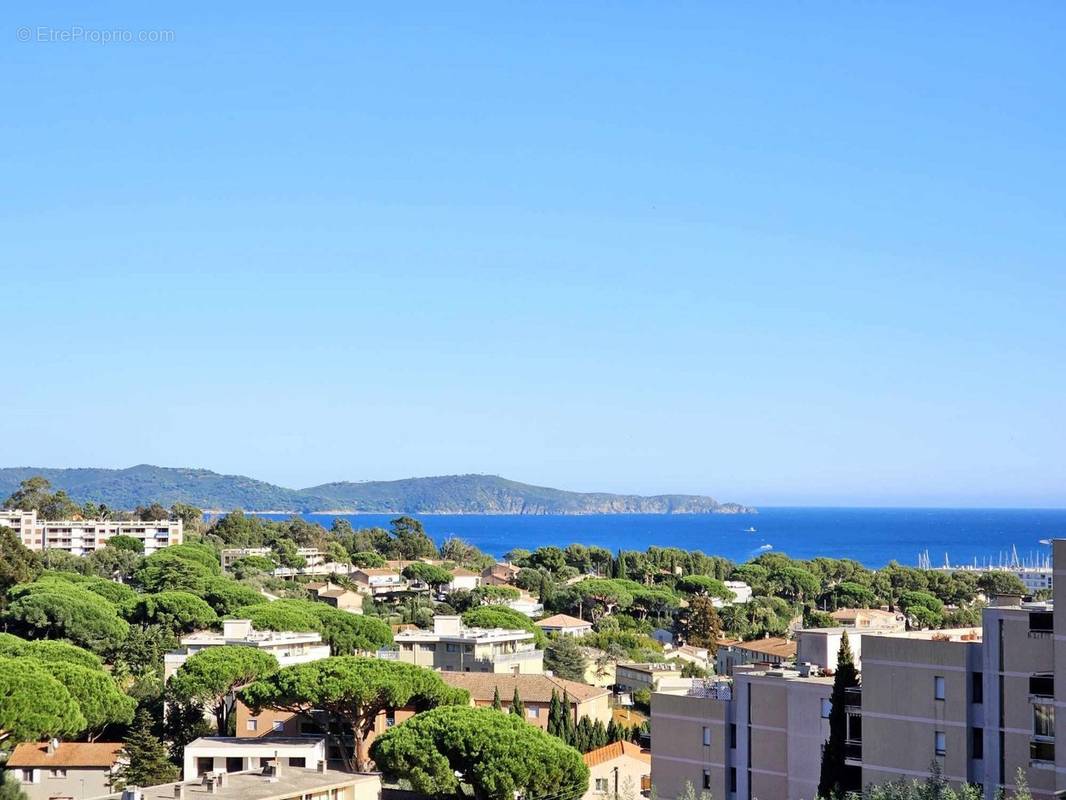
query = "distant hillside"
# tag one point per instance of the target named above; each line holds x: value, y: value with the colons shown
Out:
x: 451, y: 494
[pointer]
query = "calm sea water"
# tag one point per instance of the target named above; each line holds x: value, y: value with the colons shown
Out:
x: 873, y: 536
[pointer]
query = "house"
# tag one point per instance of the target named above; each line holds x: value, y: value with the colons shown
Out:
x: 741, y: 594
x: 379, y: 580
x: 56, y: 769
x: 771, y: 651
x: 453, y: 647
x: 500, y: 574
x: 535, y: 692
x: 700, y: 656
x: 874, y: 618
x: 462, y: 579
x: 630, y: 677
x: 289, y: 647
x: 314, y: 782
x: 619, y: 769
x: 232, y: 754
x: 564, y: 625
x: 342, y: 599
x: 527, y: 605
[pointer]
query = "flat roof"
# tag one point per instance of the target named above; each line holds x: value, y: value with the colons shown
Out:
x: 257, y: 741
x: 254, y: 785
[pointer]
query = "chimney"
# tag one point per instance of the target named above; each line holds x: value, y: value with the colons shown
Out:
x: 53, y: 746
x: 179, y: 791
x: 277, y: 765
x: 322, y: 766
x: 223, y: 776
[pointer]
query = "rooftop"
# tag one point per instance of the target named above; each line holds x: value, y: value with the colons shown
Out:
x: 771, y: 646
x: 254, y: 785
x: 463, y: 572
x: 68, y: 754
x: 256, y: 741
x: 562, y: 621
x: 944, y: 635
x: 531, y: 688
x: 615, y: 750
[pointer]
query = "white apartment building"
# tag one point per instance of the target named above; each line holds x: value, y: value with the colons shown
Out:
x: 85, y: 536
x: 232, y: 754
x: 453, y: 647
x: 288, y: 647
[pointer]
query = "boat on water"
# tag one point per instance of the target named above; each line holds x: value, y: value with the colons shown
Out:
x: 749, y: 530
x: 767, y: 547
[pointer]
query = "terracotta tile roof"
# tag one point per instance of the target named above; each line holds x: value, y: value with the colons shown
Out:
x: 562, y: 621
x: 463, y: 572
x: 68, y: 754
x: 531, y: 688
x: 377, y: 571
x: 336, y: 593
x: 616, y: 750
x: 775, y: 646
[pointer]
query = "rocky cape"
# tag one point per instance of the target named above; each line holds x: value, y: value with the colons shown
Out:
x: 449, y: 494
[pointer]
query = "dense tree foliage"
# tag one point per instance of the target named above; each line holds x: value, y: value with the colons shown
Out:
x: 18, y: 564
x: 34, y: 705
x: 499, y: 756
x: 212, y: 676
x: 98, y: 697
x: 565, y: 657
x: 178, y: 612
x: 56, y: 609
x: 352, y: 691
x: 145, y: 759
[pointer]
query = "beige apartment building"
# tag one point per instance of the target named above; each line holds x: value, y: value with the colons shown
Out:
x: 288, y: 647
x: 981, y: 702
x: 453, y: 647
x: 84, y: 536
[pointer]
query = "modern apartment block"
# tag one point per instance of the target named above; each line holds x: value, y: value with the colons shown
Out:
x: 85, y: 536
x: 453, y: 647
x: 981, y: 702
x: 289, y: 647
x: 757, y: 736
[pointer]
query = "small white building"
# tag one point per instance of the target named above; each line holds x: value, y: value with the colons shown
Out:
x: 741, y: 594
x: 619, y: 769
x: 288, y: 647
x: 231, y: 754
x: 462, y: 579
x: 564, y: 625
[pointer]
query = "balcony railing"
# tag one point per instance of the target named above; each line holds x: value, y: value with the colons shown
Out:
x: 853, y: 750
x: 853, y: 697
x: 389, y: 655
x: 711, y: 689
x: 1042, y: 685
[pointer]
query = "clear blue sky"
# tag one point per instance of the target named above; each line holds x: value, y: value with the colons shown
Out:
x: 808, y: 255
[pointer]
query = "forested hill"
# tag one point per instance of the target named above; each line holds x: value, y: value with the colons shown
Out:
x: 452, y: 494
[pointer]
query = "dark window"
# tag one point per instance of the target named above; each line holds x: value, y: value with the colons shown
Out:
x: 1041, y: 621
x: 706, y: 779
x: 977, y: 686
x: 234, y: 764
x: 204, y: 765
x: 732, y: 779
x: 298, y: 761
x: 1042, y: 685
x: 732, y: 736
x: 977, y: 743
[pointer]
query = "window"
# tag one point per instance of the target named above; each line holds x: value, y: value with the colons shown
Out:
x: 940, y: 744
x: 253, y: 725
x: 1042, y: 685
x: 733, y: 780
x: 1044, y: 720
x: 204, y: 764
x: 234, y: 764
x: 27, y: 776
x: 297, y: 761
x: 531, y: 713
x: 706, y: 736
x: 977, y: 743
x: 277, y: 725
x: 938, y: 687
x: 706, y: 779
x: 732, y: 736
x: 57, y: 773
x: 827, y: 707
x: 601, y: 786
x: 977, y: 687
x: 452, y: 648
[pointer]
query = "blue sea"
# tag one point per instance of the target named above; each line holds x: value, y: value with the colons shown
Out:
x: 873, y: 536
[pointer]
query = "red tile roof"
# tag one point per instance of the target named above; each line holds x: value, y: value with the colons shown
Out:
x: 68, y: 754
x: 615, y: 750
x: 562, y: 621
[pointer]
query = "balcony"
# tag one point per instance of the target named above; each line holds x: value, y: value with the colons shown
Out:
x: 1041, y: 624
x: 853, y: 697
x: 853, y: 750
x: 389, y: 655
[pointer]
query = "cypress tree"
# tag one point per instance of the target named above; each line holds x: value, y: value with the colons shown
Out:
x: 517, y: 708
x: 147, y: 761
x: 837, y: 777
x: 614, y: 733
x: 599, y: 734
x: 554, y: 715
x: 569, y: 726
x: 496, y: 704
